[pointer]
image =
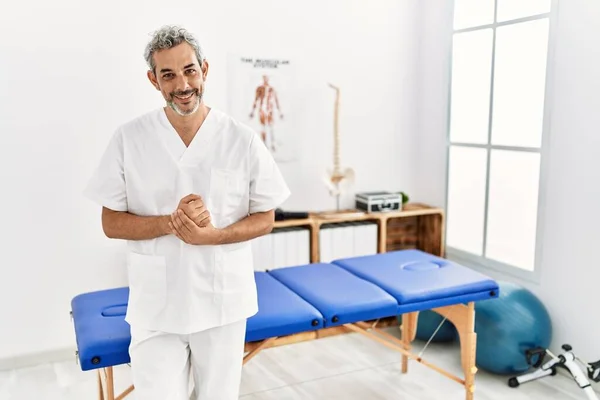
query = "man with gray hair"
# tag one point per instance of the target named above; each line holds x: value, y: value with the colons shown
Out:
x: 187, y: 187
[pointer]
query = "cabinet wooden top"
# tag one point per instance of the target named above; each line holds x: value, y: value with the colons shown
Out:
x: 320, y: 218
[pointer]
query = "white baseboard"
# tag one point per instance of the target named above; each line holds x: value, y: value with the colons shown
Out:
x: 31, y: 360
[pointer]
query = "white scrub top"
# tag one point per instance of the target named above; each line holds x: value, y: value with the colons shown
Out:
x: 146, y: 170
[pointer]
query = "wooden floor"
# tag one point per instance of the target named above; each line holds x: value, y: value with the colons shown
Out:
x: 343, y: 367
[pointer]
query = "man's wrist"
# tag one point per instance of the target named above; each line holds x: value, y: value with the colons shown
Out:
x: 163, y: 223
x: 219, y: 236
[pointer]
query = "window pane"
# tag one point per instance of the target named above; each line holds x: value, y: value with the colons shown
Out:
x: 513, y: 9
x: 512, y: 207
x: 471, y: 79
x: 470, y: 13
x: 466, y: 198
x: 519, y: 84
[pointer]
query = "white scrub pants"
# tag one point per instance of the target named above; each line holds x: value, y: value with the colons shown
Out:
x: 162, y: 363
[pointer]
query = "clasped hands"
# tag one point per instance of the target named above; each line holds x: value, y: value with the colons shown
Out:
x: 191, y: 222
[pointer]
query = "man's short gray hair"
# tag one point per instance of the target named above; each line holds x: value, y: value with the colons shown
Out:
x: 170, y: 36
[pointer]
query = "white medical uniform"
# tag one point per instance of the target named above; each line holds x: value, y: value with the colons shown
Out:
x: 184, y: 296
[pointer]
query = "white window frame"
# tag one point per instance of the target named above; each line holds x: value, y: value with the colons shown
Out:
x: 482, y: 263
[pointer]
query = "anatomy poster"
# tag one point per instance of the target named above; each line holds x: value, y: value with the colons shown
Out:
x: 261, y: 95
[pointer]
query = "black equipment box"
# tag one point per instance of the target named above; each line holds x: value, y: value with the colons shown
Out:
x: 379, y: 201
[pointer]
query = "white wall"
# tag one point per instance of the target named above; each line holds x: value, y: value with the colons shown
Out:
x: 72, y: 71
x: 569, y: 270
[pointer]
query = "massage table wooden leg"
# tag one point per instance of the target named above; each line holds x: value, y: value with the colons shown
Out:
x: 106, y: 385
x: 398, y: 345
x: 468, y: 348
x: 100, y: 388
x: 409, y: 332
x: 263, y: 345
x: 463, y: 318
x: 125, y: 393
x: 110, y: 385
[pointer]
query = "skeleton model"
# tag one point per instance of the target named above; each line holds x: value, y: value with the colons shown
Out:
x: 567, y: 360
x: 338, y: 179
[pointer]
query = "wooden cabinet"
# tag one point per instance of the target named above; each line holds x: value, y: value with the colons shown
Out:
x: 417, y: 226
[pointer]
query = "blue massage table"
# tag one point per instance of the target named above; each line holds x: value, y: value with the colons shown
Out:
x: 310, y: 301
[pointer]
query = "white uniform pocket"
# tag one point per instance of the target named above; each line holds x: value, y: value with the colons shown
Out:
x: 237, y: 268
x: 226, y: 192
x: 147, y: 286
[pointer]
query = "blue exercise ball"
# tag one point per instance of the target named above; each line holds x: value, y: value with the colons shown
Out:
x: 509, y: 325
x: 427, y: 324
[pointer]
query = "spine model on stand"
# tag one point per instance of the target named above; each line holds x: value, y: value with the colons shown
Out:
x: 338, y: 180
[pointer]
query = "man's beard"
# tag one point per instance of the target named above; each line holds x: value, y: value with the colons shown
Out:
x: 183, y: 113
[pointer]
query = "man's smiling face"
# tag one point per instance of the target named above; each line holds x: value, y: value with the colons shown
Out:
x: 179, y: 77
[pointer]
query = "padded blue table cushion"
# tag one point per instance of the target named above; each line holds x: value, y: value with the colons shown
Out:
x: 339, y: 295
x: 102, y: 335
x: 280, y: 311
x: 301, y: 298
x: 420, y: 280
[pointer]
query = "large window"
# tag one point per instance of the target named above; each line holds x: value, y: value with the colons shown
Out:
x: 496, y: 131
